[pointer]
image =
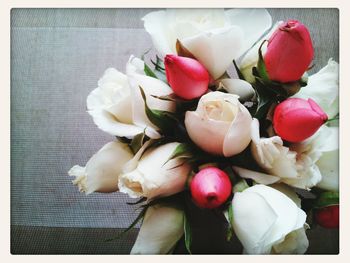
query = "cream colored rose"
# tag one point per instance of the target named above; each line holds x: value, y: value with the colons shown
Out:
x: 151, y: 87
x: 161, y: 229
x: 117, y: 107
x: 288, y: 165
x: 220, y: 125
x: 214, y: 36
x: 265, y: 221
x: 102, y: 171
x: 152, y: 176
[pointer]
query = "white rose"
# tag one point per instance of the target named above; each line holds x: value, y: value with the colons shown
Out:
x: 151, y: 86
x: 296, y: 242
x: 295, y: 167
x: 238, y: 87
x: 263, y: 219
x: 116, y: 108
x: 220, y: 125
x: 324, y: 148
x: 250, y: 59
x: 153, y: 176
x: 323, y: 88
x: 214, y: 36
x: 102, y: 171
x: 161, y: 229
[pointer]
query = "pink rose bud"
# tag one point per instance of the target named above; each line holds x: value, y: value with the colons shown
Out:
x: 295, y: 119
x: 210, y: 187
x: 186, y: 76
x: 289, y: 52
x: 328, y: 217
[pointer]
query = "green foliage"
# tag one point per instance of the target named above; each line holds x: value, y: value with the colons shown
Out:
x: 327, y: 199
x: 188, y: 233
x: 164, y: 120
x: 137, y: 142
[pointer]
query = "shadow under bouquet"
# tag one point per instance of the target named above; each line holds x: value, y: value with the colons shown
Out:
x: 225, y: 121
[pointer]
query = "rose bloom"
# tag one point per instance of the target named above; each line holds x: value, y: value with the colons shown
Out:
x: 220, y: 125
x: 151, y: 175
x: 289, y: 52
x: 268, y: 221
x: 101, y: 173
x: 161, y: 229
x: 116, y: 105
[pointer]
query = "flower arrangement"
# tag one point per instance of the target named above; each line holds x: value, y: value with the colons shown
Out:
x: 259, y: 147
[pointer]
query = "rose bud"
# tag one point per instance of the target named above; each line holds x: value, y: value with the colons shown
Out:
x: 289, y: 52
x: 295, y: 120
x: 328, y: 217
x: 210, y: 187
x: 186, y: 76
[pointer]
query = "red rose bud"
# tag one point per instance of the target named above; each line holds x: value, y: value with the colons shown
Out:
x: 186, y: 76
x: 289, y: 52
x: 295, y: 119
x: 210, y: 187
x: 328, y: 217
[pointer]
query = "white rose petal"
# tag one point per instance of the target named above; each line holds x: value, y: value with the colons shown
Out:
x: 238, y: 87
x: 295, y: 242
x: 161, y: 228
x: 220, y: 125
x: 263, y: 217
x: 102, y: 171
x: 154, y: 177
x: 323, y: 88
x: 216, y: 49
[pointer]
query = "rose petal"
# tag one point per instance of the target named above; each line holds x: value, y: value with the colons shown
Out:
x: 161, y: 228
x: 260, y: 178
x: 238, y: 135
x: 247, y: 208
x: 208, y: 134
x: 239, y: 87
x: 216, y: 49
x: 290, y: 217
x: 253, y: 22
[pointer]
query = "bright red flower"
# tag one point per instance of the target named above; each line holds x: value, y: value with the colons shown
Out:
x: 289, y: 52
x: 328, y: 217
x: 210, y: 187
x: 296, y: 119
x: 188, y: 78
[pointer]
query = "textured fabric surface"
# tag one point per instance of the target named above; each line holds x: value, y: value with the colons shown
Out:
x: 57, y: 57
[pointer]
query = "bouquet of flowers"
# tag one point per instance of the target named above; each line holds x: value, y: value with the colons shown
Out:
x: 225, y: 118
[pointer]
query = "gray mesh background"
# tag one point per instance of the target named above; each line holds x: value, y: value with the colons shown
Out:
x: 57, y: 57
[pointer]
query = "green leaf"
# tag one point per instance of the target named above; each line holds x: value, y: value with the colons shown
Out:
x: 164, y: 120
x: 264, y: 98
x: 138, y: 218
x: 183, y: 150
x: 261, y: 67
x: 188, y: 233
x: 230, y: 225
x: 137, y: 142
x: 148, y: 71
x: 158, y: 64
x: 327, y: 199
x: 141, y: 200
x: 240, y: 186
x: 240, y: 75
